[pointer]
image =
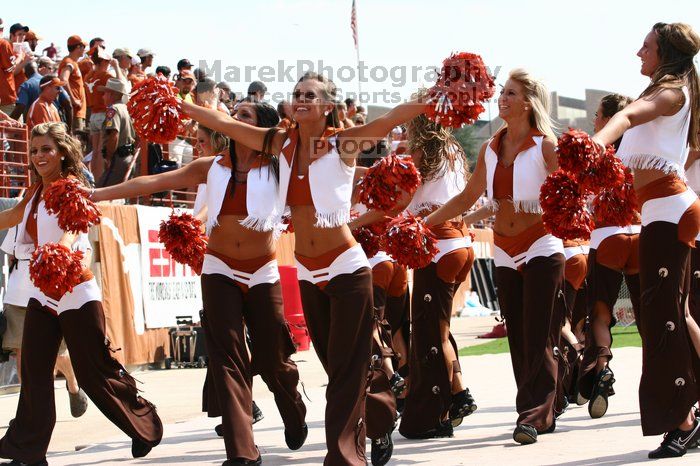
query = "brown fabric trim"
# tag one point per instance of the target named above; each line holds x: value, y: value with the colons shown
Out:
x: 619, y: 252
x: 669, y: 185
x: 514, y: 245
x: 575, y: 270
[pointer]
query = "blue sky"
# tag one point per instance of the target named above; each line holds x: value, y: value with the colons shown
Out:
x: 570, y: 45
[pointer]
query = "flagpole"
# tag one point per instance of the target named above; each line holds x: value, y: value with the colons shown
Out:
x: 356, y: 38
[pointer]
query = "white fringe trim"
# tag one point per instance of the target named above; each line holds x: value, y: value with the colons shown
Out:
x: 492, y: 204
x: 530, y: 207
x: 258, y: 224
x: 423, y: 206
x: 332, y: 219
x: 653, y: 162
x: 211, y: 223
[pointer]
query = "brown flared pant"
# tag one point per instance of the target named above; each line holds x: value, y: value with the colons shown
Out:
x: 527, y: 298
x: 339, y: 317
x: 102, y: 378
x: 227, y: 311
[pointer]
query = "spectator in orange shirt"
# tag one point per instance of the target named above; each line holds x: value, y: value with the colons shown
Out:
x: 136, y: 75
x: 43, y: 109
x: 86, y: 65
x: 94, y: 84
x: 8, y: 92
x: 18, y: 35
x: 69, y: 72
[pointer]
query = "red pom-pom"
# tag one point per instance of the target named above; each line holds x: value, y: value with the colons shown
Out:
x: 607, y: 173
x: 55, y: 269
x: 183, y: 239
x: 617, y: 205
x: 371, y: 237
x: 410, y: 242
x: 577, y: 152
x: 387, y: 180
x: 564, y: 207
x: 69, y: 201
x: 463, y: 85
x: 155, y: 111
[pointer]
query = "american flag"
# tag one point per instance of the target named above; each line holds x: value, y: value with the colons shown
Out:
x: 353, y: 24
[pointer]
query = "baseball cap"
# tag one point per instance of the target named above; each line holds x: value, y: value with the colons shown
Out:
x: 184, y: 63
x: 31, y: 35
x: 114, y: 84
x: 145, y: 53
x: 51, y: 80
x: 121, y: 52
x: 75, y: 40
x: 187, y: 74
x: 17, y: 27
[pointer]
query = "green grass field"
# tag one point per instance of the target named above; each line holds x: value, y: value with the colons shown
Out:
x: 622, y: 336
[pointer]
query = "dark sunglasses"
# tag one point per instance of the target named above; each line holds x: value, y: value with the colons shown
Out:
x: 310, y: 96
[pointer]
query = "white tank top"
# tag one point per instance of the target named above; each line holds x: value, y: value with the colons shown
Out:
x: 440, y: 189
x: 661, y: 143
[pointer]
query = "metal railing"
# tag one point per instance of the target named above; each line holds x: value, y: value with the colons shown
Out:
x: 14, y: 160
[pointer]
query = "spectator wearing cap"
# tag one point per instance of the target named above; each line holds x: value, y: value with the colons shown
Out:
x: 51, y: 51
x: 208, y: 96
x: 18, y: 34
x: 146, y: 57
x: 8, y: 89
x: 117, y: 135
x: 32, y: 39
x: 136, y: 74
x: 183, y: 65
x: 123, y: 57
x: 43, y: 110
x: 94, y: 82
x: 185, y: 84
x: 69, y: 72
x: 257, y: 91
x: 29, y: 91
x: 163, y: 71
x: 86, y: 64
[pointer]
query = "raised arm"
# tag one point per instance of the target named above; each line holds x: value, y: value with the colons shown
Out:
x: 464, y: 200
x: 248, y: 135
x: 478, y: 215
x: 369, y: 134
x: 549, y: 152
x: 664, y: 102
x: 190, y: 175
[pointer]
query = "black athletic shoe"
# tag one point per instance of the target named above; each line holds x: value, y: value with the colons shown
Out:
x: 550, y: 429
x: 242, y: 462
x: 257, y: 414
x: 398, y: 385
x: 443, y: 430
x: 463, y: 405
x: 139, y: 449
x: 598, y: 405
x: 675, y: 443
x: 696, y: 442
x: 219, y: 430
x: 382, y: 449
x: 525, y: 434
x: 557, y: 414
x: 296, y: 443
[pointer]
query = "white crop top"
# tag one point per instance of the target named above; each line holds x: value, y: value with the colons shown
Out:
x: 440, y: 189
x: 529, y: 172
x: 661, y: 143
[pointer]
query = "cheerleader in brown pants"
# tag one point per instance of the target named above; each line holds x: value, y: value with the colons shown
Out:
x: 511, y: 168
x: 316, y: 174
x: 240, y: 282
x: 614, y: 255
x: 656, y: 130
x: 77, y: 317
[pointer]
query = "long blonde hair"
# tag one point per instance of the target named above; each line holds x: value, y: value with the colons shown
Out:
x: 537, y: 95
x: 69, y: 148
x: 436, y: 144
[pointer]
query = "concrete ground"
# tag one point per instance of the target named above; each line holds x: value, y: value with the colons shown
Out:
x: 484, y: 438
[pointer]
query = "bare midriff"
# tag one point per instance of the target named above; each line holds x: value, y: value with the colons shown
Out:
x: 233, y: 240
x: 643, y: 177
x: 311, y: 241
x: 512, y: 223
